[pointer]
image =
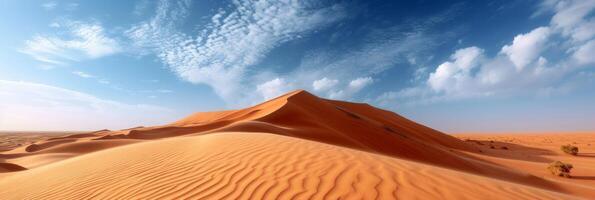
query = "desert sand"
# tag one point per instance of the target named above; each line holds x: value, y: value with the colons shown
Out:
x: 296, y: 146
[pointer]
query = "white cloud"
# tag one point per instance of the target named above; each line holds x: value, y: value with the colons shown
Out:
x: 520, y: 66
x: 49, y: 5
x: 324, y: 84
x: 378, y: 50
x: 53, y: 5
x: 89, y: 41
x: 71, y: 6
x: 273, y: 88
x: 103, y: 81
x: 454, y: 74
x: 233, y: 41
x: 570, y: 18
x: 226, y: 52
x: 55, y: 25
x: 525, y: 48
x: 359, y: 83
x: 165, y: 91
x: 82, y: 74
x: 25, y: 105
x: 141, y: 7
x: 585, y: 54
x: 98, y: 79
x: 354, y: 86
x: 381, y: 52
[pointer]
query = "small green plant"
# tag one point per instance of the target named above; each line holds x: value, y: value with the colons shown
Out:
x: 569, y: 149
x: 558, y: 168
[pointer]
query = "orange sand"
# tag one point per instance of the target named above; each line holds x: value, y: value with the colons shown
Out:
x: 295, y: 146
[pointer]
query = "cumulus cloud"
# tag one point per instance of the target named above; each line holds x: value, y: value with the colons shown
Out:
x: 233, y: 41
x: 455, y: 74
x: 47, y: 107
x: 521, y: 66
x: 525, y: 48
x: 88, y: 41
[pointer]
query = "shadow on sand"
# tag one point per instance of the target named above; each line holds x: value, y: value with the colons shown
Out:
x: 505, y: 150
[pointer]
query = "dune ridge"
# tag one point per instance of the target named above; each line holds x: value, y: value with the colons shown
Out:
x: 296, y: 145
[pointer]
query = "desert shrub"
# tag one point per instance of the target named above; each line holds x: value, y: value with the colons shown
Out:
x: 569, y: 149
x: 560, y: 169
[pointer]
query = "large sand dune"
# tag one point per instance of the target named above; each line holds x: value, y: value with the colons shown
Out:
x: 297, y: 146
x: 251, y: 166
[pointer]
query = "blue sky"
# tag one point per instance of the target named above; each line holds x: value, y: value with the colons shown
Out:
x: 457, y: 66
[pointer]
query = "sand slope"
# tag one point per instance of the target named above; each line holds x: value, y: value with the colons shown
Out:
x: 296, y: 145
x: 251, y: 166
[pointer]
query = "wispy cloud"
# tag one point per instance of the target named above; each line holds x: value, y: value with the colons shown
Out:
x: 343, y: 74
x: 100, y: 80
x: 82, y: 74
x: 49, y: 5
x: 52, y: 5
x: 88, y: 41
x: 103, y: 81
x: 24, y: 104
x: 234, y: 40
x: 71, y: 6
x: 141, y: 7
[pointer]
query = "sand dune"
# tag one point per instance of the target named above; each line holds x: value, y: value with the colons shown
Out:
x: 252, y: 166
x: 294, y: 146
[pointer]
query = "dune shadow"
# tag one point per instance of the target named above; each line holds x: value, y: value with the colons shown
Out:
x: 531, y: 179
x: 10, y: 167
x: 512, y: 151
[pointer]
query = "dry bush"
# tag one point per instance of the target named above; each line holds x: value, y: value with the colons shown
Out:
x: 569, y: 149
x: 560, y: 169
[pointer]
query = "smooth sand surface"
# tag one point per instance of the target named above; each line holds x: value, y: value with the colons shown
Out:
x: 295, y: 146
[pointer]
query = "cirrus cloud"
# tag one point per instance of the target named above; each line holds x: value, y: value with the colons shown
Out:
x: 89, y: 41
x: 233, y: 41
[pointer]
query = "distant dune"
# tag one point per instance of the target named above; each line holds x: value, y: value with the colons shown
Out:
x: 297, y: 146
